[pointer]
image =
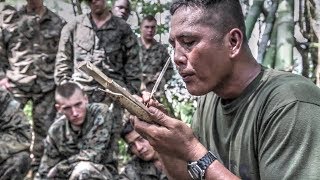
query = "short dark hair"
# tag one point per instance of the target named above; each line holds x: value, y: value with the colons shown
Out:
x: 67, y: 90
x: 149, y: 18
x: 228, y: 13
x: 127, y: 128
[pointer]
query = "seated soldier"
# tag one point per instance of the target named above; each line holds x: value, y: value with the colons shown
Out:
x: 145, y: 165
x: 78, y: 143
x: 15, y: 139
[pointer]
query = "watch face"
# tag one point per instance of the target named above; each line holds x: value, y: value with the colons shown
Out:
x: 194, y: 170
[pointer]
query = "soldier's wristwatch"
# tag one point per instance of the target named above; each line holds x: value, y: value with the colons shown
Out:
x: 198, y: 168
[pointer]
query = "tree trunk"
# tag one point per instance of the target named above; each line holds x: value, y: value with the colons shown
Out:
x: 267, y: 31
x: 269, y: 58
x: 285, y: 38
x: 252, y: 16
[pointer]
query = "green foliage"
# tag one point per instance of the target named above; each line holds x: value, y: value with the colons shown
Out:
x: 124, y: 157
x: 28, y: 110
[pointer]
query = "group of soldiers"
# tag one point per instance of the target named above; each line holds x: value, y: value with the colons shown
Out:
x: 75, y: 125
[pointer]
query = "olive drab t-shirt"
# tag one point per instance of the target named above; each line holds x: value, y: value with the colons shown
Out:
x: 272, y: 131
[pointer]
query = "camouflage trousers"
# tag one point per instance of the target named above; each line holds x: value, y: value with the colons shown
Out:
x: 99, y: 96
x: 16, y: 167
x: 43, y: 115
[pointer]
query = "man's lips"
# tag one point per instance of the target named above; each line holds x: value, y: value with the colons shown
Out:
x: 186, y: 75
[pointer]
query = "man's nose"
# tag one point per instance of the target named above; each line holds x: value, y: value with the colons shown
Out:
x: 180, y: 58
x: 139, y: 146
x: 75, y: 112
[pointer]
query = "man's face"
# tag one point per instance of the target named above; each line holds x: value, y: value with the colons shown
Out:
x: 201, y: 60
x: 74, y: 108
x: 148, y: 29
x: 97, y: 7
x: 121, y: 9
x: 140, y: 146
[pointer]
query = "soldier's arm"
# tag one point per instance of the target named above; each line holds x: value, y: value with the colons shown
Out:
x: 50, y: 158
x: 132, y: 63
x: 64, y: 60
x: 15, y: 132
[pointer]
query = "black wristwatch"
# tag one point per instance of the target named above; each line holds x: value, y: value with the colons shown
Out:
x: 198, y: 168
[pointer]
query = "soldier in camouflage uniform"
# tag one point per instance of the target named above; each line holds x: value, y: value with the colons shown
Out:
x: 153, y: 57
x: 15, y: 139
x: 30, y: 47
x: 145, y: 165
x: 106, y: 41
x: 78, y: 143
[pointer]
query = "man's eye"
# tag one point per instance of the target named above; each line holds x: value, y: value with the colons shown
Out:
x: 188, y: 43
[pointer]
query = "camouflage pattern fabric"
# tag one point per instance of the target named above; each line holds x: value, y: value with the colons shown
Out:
x: 66, y: 148
x: 15, y: 139
x: 113, y: 48
x: 137, y: 169
x: 152, y: 61
x: 8, y: 15
x: 29, y: 46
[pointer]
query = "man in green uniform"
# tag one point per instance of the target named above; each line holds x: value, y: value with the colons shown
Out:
x: 30, y: 48
x: 145, y: 165
x: 78, y: 145
x: 106, y: 41
x: 15, y: 139
x: 153, y: 57
x: 251, y: 122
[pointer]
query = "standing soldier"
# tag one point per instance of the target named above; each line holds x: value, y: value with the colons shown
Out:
x: 30, y: 50
x: 153, y: 56
x: 106, y: 41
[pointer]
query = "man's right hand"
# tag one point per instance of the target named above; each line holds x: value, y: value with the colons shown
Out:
x: 5, y: 84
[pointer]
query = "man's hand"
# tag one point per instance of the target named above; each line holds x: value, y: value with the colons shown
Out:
x: 5, y: 84
x: 168, y: 136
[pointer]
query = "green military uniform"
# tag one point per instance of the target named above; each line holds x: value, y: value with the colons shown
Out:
x: 66, y: 149
x: 271, y: 131
x: 113, y: 48
x: 30, y: 46
x: 138, y: 169
x: 153, y: 60
x: 15, y: 139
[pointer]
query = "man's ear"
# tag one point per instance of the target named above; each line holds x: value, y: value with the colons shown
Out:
x: 58, y: 107
x: 235, y: 40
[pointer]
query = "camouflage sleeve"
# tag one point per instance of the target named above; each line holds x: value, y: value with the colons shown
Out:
x: 95, y: 142
x: 132, y: 67
x: 50, y: 158
x: 15, y: 131
x: 129, y: 173
x: 64, y: 59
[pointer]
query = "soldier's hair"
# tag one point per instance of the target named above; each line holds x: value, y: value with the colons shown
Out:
x: 221, y: 15
x: 127, y: 128
x: 149, y: 18
x: 66, y: 90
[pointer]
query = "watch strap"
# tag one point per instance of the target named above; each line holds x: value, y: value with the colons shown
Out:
x: 206, y: 160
